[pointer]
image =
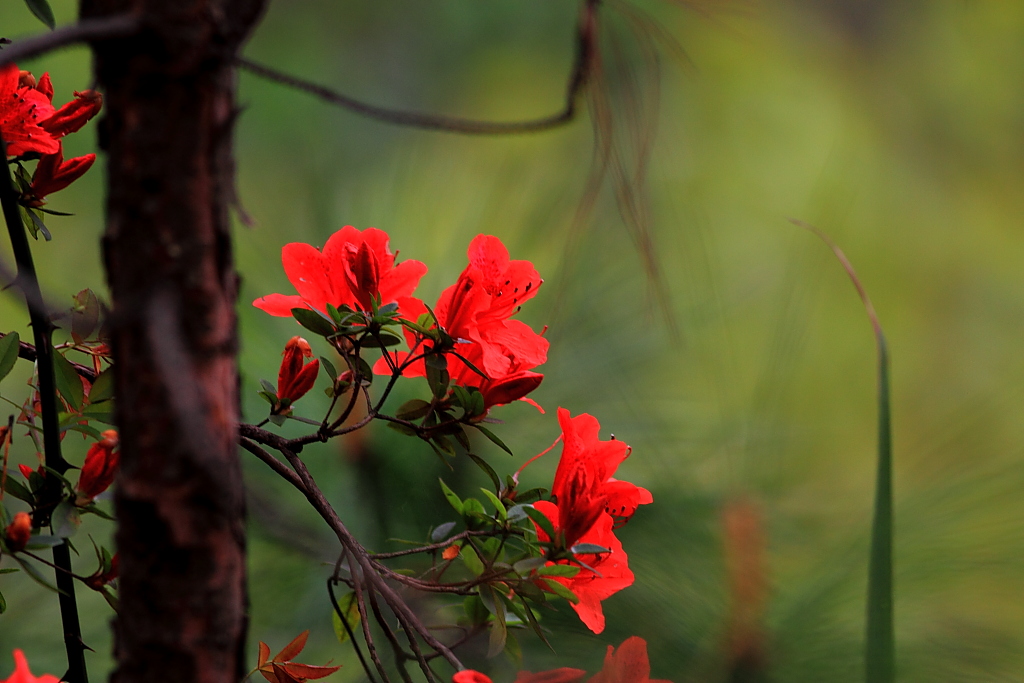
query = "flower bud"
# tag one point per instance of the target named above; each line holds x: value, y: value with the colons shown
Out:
x: 18, y: 532
x: 99, y: 468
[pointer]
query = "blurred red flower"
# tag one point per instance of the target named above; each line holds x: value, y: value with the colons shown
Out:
x: 628, y: 664
x: 23, y: 675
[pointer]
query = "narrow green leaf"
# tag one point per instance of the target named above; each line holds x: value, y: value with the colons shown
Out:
x: 524, y: 567
x: 313, y: 321
x: 9, y: 347
x: 328, y: 367
x: 541, y: 520
x: 496, y: 502
x: 488, y: 470
x: 566, y: 570
x: 3, y: 604
x: 65, y: 520
x: 16, y: 489
x: 453, y: 499
x: 499, y: 632
x: 561, y: 591
x: 471, y: 560
x: 350, y: 608
x: 493, y: 437
x: 68, y: 383
x: 413, y: 409
x: 41, y: 10
x: 103, y: 388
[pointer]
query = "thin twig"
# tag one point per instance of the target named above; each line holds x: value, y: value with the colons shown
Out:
x: 578, y: 77
x: 344, y: 620
x: 52, y: 492
x: 85, y: 31
x: 272, y: 462
x: 28, y: 352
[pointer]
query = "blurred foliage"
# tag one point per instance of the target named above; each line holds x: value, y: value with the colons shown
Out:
x: 897, y: 128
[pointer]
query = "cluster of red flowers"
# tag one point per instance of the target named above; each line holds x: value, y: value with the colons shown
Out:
x: 357, y: 269
x: 31, y: 126
x: 588, y: 505
x: 628, y: 664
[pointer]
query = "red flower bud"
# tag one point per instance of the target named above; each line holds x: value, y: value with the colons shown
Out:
x: 26, y: 471
x: 295, y: 379
x: 74, y: 114
x: 53, y: 174
x: 99, y: 468
x: 18, y: 532
x: 101, y: 578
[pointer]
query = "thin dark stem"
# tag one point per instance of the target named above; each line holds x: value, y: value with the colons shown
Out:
x: 272, y: 462
x: 348, y: 627
x: 42, y: 329
x: 578, y: 77
x: 400, y: 654
x: 84, y: 31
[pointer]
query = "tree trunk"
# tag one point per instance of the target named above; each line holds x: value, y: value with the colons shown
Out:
x: 169, y: 113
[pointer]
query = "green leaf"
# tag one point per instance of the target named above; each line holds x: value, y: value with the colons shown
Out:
x: 103, y: 387
x: 65, y: 520
x: 516, y: 513
x: 589, y: 549
x: 472, y: 560
x: 42, y: 541
x: 328, y: 367
x: 566, y: 570
x: 8, y: 570
x: 490, y: 435
x: 442, y: 532
x: 402, y: 429
x: 68, y: 383
x: 382, y: 339
x: 488, y: 470
x: 473, y: 508
x: 524, y: 567
x: 413, y: 410
x: 85, y: 315
x: 496, y: 502
x: 313, y: 321
x: 9, y: 346
x: 444, y: 444
x: 16, y: 489
x: 541, y: 520
x: 453, y: 499
x: 561, y: 591
x: 37, y: 221
x: 475, y: 610
x: 499, y: 631
x: 41, y: 9
x: 350, y: 608
x: 437, y: 374
x: 3, y: 604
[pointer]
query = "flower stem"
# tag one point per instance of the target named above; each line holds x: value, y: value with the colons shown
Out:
x: 42, y: 329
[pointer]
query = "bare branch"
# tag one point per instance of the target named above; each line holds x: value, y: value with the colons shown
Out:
x: 84, y: 31
x: 585, y: 49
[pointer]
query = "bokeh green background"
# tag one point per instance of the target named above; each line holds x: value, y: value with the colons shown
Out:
x: 896, y: 127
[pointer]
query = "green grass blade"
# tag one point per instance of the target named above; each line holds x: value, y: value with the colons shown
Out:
x: 880, y: 646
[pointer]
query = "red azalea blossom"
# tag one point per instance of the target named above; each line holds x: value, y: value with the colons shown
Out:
x: 22, y: 109
x: 563, y: 675
x: 53, y: 173
x: 583, y: 486
x: 628, y: 664
x: 608, y: 574
x: 353, y: 267
x: 18, y: 532
x: 23, y: 675
x: 294, y: 379
x: 73, y: 115
x: 99, y: 468
x: 26, y: 471
x: 475, y: 313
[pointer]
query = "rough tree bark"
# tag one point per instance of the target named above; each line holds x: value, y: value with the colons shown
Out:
x: 169, y: 113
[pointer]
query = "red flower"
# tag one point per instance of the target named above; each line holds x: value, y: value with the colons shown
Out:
x: 26, y: 471
x: 294, y: 379
x: 628, y: 664
x: 23, y: 675
x: 73, y: 115
x: 281, y: 669
x: 608, y: 572
x: 99, y: 468
x: 474, y: 312
x: 18, y: 532
x: 583, y: 486
x: 53, y: 173
x: 563, y: 675
x: 22, y: 109
x: 353, y: 267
